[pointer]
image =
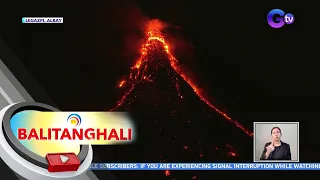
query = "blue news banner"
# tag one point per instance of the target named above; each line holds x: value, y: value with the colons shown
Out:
x: 204, y: 166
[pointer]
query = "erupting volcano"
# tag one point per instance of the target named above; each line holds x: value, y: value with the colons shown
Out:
x: 176, y: 120
x: 140, y: 71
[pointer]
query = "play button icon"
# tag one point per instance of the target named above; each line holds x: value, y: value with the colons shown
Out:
x: 64, y: 158
x: 62, y: 162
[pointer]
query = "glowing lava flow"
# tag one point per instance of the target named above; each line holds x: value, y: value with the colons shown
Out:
x: 139, y: 73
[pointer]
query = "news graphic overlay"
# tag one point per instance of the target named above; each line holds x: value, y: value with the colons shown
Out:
x: 39, y: 20
x: 62, y: 162
x: 28, y: 158
x: 48, y: 134
x: 276, y: 142
x: 277, y: 18
x: 65, y: 131
x: 203, y: 166
x: 54, y: 132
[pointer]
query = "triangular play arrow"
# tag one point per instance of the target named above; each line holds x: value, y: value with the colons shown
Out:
x: 64, y: 158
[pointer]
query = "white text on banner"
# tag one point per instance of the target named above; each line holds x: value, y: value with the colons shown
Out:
x: 205, y: 166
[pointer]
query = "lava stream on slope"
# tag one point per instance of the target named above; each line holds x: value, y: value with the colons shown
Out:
x: 155, y: 42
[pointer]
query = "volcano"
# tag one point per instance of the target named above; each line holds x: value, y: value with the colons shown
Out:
x: 176, y: 123
x: 143, y: 71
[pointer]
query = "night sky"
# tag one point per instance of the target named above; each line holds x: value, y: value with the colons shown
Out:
x: 249, y: 70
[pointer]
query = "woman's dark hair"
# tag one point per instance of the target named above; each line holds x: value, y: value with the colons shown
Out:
x: 276, y: 128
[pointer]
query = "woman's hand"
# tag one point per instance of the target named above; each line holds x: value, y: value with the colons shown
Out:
x: 270, y: 148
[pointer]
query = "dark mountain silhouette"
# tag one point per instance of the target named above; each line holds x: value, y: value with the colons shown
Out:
x: 174, y: 129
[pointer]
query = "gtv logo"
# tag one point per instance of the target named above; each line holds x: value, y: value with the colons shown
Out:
x: 277, y: 18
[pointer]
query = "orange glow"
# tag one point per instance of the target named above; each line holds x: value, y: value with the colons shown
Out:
x: 122, y: 83
x: 167, y: 172
x: 154, y: 37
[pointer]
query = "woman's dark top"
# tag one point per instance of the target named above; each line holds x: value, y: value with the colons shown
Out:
x: 281, y: 152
